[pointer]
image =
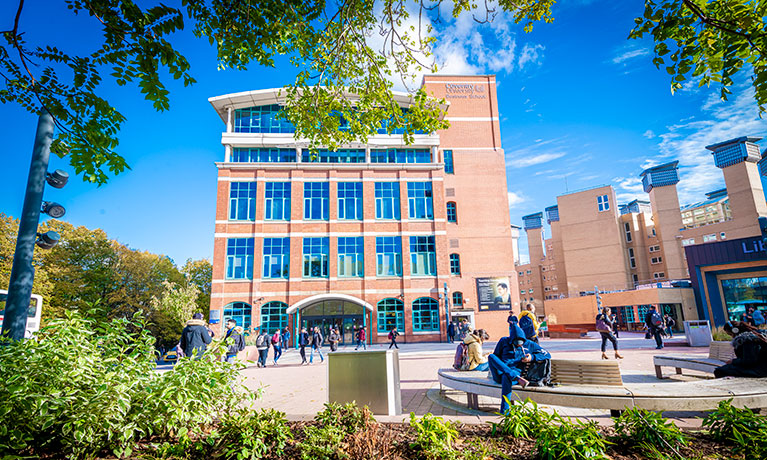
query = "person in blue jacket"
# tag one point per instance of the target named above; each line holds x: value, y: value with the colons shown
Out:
x: 508, y: 361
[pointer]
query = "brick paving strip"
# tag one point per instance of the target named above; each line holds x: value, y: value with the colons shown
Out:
x: 301, y: 391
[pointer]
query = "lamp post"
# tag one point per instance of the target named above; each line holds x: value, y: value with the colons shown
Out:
x: 447, y: 310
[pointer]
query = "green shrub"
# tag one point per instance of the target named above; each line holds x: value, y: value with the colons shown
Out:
x: 521, y: 421
x: 434, y: 437
x: 650, y: 431
x: 81, y: 387
x: 323, y: 443
x: 740, y: 428
x: 562, y: 439
x: 349, y: 416
x: 720, y: 335
x: 246, y: 434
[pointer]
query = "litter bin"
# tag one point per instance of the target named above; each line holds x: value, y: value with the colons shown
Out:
x: 371, y: 378
x: 698, y: 333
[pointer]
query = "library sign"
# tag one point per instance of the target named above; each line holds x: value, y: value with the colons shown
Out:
x: 465, y: 91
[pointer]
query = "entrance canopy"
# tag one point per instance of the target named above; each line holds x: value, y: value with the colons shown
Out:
x: 331, y: 302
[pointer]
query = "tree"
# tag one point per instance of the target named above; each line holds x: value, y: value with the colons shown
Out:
x: 200, y: 274
x: 347, y: 54
x: 711, y: 40
x: 171, y: 309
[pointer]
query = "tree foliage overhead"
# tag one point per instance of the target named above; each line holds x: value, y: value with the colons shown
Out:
x: 710, y: 40
x: 347, y: 53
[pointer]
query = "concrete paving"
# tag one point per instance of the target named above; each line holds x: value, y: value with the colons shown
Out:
x: 301, y: 390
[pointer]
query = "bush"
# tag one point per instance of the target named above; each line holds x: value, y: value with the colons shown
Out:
x: 650, y: 431
x: 521, y: 421
x: 350, y: 417
x: 741, y: 428
x: 323, y: 443
x: 434, y: 437
x: 719, y: 335
x: 565, y: 440
x: 81, y: 387
x: 245, y: 434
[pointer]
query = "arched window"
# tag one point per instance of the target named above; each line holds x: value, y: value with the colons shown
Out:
x: 391, y: 314
x: 425, y: 315
x: 273, y: 316
x: 452, y: 212
x: 458, y: 299
x: 241, y: 312
x: 455, y: 264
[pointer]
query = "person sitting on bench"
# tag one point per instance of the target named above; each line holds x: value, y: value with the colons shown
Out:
x: 750, y: 347
x: 513, y: 357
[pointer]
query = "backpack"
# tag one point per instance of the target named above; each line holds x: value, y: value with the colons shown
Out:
x: 461, y: 360
x: 539, y: 373
x: 527, y: 326
x: 261, y: 340
x: 655, y: 319
x: 390, y: 334
x: 276, y: 338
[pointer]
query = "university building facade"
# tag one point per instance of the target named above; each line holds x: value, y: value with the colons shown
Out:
x: 379, y: 235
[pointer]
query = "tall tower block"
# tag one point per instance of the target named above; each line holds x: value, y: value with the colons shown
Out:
x: 534, y: 230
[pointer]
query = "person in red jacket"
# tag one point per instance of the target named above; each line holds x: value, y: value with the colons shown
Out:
x: 361, y: 339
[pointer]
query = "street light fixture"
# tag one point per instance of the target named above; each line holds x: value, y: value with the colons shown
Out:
x: 47, y: 240
x: 57, y: 179
x: 54, y: 210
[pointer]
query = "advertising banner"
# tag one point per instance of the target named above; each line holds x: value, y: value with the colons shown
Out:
x: 494, y: 293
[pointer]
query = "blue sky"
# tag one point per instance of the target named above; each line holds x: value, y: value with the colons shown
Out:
x: 580, y: 106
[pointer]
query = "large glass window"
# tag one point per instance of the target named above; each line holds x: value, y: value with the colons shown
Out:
x: 350, y: 257
x: 350, y: 200
x: 276, y: 258
x: 448, y: 161
x: 316, y: 200
x: 397, y: 155
x: 388, y: 256
x: 458, y: 299
x: 261, y: 119
x: 452, y: 212
x: 423, y: 256
x: 239, y: 258
x: 455, y: 264
x: 387, y: 200
x: 316, y: 253
x: 391, y: 314
x: 743, y: 293
x: 425, y: 315
x: 263, y: 155
x: 240, y: 312
x: 419, y: 200
x: 242, y: 201
x: 274, y: 316
x: 603, y: 203
x: 329, y: 156
x: 277, y: 201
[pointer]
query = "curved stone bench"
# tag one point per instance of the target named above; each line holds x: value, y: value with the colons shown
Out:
x: 657, y: 396
x: 718, y: 354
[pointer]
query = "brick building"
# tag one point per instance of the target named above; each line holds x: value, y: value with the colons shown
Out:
x: 372, y: 235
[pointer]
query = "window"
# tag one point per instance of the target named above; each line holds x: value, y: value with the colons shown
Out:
x: 274, y: 316
x: 632, y: 260
x: 521, y: 273
x: 388, y: 256
x: 688, y: 241
x: 658, y: 275
x: 655, y: 248
x: 391, y: 314
x: 723, y: 235
x: 709, y: 238
x: 261, y: 119
x: 277, y: 201
x: 448, y: 154
x: 316, y: 198
x: 329, y: 156
x: 425, y: 315
x: 452, y: 214
x: 626, y: 314
x: 653, y: 231
x: 387, y: 200
x: 603, y: 204
x: 240, y: 312
x: 263, y: 155
x: 276, y: 258
x: 423, y: 256
x: 635, y: 278
x: 529, y: 272
x: 242, y: 201
x: 316, y: 252
x: 656, y: 260
x: 239, y: 258
x: 627, y: 228
x: 350, y: 258
x: 350, y: 200
x: 419, y: 200
x: 455, y: 264
x: 458, y: 299
x: 400, y: 156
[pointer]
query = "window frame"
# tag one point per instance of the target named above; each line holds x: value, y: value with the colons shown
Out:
x: 315, y: 252
x: 244, y: 316
x: 270, y: 310
x: 234, y: 251
x: 352, y: 193
x: 356, y: 264
x: 452, y: 212
x: 246, y: 196
x: 425, y: 315
x: 271, y: 259
x: 455, y: 264
x: 420, y: 200
x: 270, y: 200
x: 603, y: 203
x: 321, y: 194
x: 423, y: 255
x: 383, y: 245
x: 388, y: 306
x: 390, y: 203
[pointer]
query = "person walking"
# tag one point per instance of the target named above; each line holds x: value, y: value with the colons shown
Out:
x: 654, y: 323
x: 262, y: 345
x: 303, y: 341
x: 238, y: 343
x: 317, y: 340
x: 393, y: 337
x: 451, y: 331
x: 285, y: 336
x: 614, y: 321
x: 333, y: 338
x: 195, y: 337
x: 670, y: 323
x: 277, y: 345
x: 361, y: 339
x: 512, y: 320
x: 605, y: 327
x: 528, y: 322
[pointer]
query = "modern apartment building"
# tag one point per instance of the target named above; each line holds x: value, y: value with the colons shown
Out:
x: 597, y: 244
x: 379, y: 235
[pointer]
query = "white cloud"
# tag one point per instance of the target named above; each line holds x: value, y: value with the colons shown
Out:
x: 628, y: 54
x: 515, y: 199
x: 523, y: 162
x: 649, y: 134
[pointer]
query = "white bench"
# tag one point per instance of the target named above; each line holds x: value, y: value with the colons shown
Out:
x: 597, y: 388
x: 718, y: 354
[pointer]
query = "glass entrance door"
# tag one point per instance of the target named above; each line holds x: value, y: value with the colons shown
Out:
x: 336, y: 314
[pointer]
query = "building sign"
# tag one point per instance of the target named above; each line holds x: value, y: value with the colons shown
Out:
x: 493, y: 293
x: 465, y: 91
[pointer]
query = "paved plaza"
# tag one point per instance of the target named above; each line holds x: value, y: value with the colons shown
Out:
x: 300, y: 391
